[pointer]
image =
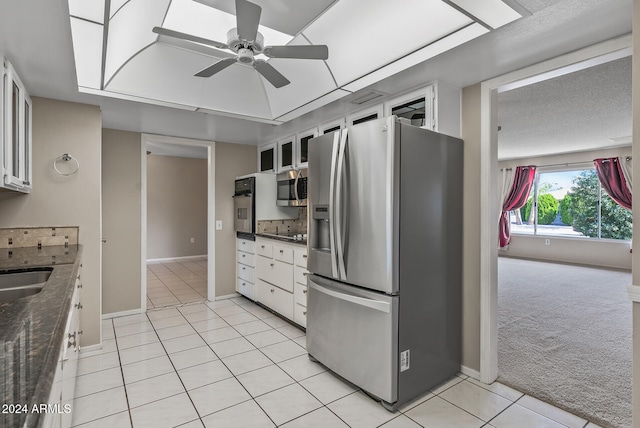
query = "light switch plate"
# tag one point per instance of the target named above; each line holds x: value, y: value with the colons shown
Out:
x: 218, y: 224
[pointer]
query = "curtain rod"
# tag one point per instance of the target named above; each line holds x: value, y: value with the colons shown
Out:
x: 627, y: 158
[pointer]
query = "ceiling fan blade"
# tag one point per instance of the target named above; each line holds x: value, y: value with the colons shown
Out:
x: 298, y: 51
x: 248, y: 19
x: 215, y: 68
x: 271, y: 74
x: 189, y: 37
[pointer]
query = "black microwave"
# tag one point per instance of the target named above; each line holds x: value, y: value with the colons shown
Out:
x: 292, y: 188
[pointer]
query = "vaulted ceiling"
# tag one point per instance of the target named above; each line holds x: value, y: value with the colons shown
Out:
x: 118, y: 55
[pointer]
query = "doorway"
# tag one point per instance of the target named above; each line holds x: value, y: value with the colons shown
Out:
x: 171, y: 278
x: 588, y: 57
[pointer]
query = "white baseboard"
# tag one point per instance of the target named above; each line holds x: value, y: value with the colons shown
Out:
x: 88, y: 350
x: 122, y: 314
x: 228, y: 296
x: 470, y: 372
x: 170, y: 259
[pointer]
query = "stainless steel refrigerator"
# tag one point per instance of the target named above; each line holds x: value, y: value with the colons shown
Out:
x: 385, y: 257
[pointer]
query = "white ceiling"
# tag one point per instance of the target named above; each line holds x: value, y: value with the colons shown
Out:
x: 36, y: 37
x: 585, y: 110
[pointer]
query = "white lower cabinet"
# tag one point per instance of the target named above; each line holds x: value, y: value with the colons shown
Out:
x: 280, y: 281
x: 64, y: 382
x: 245, y: 267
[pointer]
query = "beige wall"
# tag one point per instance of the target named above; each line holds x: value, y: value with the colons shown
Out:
x: 231, y: 160
x: 471, y: 228
x: 636, y: 213
x: 62, y: 127
x: 607, y: 253
x: 176, y: 206
x: 121, y: 225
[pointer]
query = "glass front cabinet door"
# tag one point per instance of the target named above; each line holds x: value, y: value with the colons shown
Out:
x: 303, y: 147
x: 286, y: 154
x: 16, y: 132
x: 267, y: 157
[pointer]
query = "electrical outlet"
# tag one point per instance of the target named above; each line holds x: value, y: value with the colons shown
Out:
x: 218, y: 224
x: 547, y: 242
x: 193, y: 240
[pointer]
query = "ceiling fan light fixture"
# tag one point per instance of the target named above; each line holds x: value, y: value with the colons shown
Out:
x: 245, y: 55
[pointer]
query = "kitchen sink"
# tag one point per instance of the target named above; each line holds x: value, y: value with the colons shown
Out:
x: 15, y: 284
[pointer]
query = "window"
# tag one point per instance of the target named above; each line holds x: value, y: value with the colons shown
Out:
x: 571, y: 203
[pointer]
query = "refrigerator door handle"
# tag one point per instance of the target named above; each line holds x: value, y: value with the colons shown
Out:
x: 332, y: 185
x: 362, y: 301
x: 338, y: 205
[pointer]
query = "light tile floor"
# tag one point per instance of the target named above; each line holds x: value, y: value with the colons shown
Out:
x: 231, y: 363
x: 176, y: 282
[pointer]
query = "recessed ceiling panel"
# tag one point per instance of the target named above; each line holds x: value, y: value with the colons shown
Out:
x: 165, y: 73
x: 287, y: 16
x: 130, y: 32
x: 310, y: 79
x: 492, y: 12
x: 91, y: 10
x: 160, y: 73
x: 87, y: 45
x: 200, y: 20
x: 363, y: 35
x: 430, y: 51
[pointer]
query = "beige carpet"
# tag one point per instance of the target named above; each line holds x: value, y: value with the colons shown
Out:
x: 564, y: 337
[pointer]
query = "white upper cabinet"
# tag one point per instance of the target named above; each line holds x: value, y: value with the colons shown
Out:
x: 435, y: 107
x: 365, y: 115
x: 268, y: 157
x: 286, y: 153
x: 15, y: 130
x: 332, y: 126
x: 302, y: 146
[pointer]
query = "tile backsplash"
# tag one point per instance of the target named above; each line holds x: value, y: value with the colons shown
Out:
x: 38, y: 237
x: 296, y: 225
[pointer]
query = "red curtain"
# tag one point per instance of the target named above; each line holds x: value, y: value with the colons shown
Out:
x: 522, y: 182
x: 612, y: 179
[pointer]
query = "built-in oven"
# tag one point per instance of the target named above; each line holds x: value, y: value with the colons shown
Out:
x: 244, y: 207
x: 292, y: 188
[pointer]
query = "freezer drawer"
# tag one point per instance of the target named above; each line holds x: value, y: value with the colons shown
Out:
x: 354, y: 332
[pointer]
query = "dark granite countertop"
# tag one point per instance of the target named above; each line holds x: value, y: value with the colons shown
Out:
x: 290, y: 238
x: 32, y: 329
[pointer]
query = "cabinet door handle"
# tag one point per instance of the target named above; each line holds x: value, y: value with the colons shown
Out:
x: 79, y: 285
x: 71, y: 344
x: 272, y: 290
x: 281, y: 251
x: 243, y: 284
x: 78, y: 305
x: 243, y: 268
x: 304, y: 313
x: 243, y: 255
x: 261, y: 246
x: 72, y: 335
x: 304, y: 291
x: 304, y: 256
x: 271, y: 264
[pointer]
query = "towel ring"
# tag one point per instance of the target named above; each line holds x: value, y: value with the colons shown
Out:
x: 66, y: 157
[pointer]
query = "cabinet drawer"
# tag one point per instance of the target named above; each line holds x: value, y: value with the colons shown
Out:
x: 300, y: 257
x: 245, y: 272
x: 299, y: 275
x: 246, y: 258
x: 245, y: 288
x: 265, y: 249
x: 246, y: 245
x: 276, y: 272
x: 300, y: 315
x: 300, y: 294
x: 284, y: 254
x: 275, y: 298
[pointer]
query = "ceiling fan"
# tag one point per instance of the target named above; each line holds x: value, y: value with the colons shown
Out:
x: 246, y: 42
